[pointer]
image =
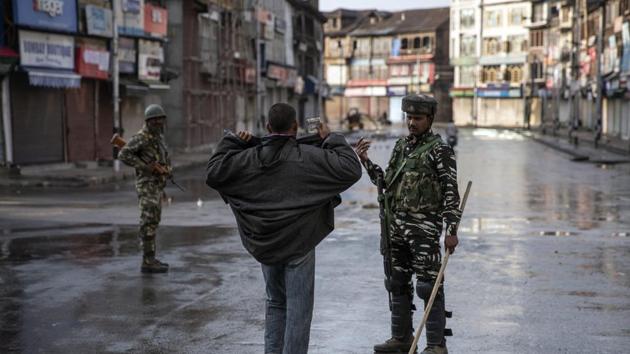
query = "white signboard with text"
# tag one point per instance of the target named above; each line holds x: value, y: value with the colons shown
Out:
x: 46, y: 50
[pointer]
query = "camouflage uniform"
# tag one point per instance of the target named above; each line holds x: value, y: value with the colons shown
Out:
x: 423, y: 195
x: 144, y: 147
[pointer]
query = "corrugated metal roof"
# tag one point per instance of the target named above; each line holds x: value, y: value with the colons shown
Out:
x: 416, y: 20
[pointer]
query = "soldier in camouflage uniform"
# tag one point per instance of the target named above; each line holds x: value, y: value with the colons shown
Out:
x: 421, y: 185
x: 147, y: 153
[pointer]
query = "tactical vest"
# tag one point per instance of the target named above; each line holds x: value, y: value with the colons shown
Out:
x: 412, y: 183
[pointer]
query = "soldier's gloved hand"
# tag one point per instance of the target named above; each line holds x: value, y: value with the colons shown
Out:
x: 450, y: 242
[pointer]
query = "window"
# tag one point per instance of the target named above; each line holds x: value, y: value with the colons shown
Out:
x: 565, y: 14
x: 404, y: 43
x: 536, y: 38
x: 466, y: 76
x: 399, y: 70
x: 493, y: 18
x: 537, y: 70
x: 467, y: 18
x: 539, y: 13
x: 416, y: 42
x: 491, y: 46
x: 468, y: 46
x: 490, y: 74
x: 514, y: 74
x: 334, y: 23
x: 516, y: 44
x: 516, y: 15
x: 426, y: 43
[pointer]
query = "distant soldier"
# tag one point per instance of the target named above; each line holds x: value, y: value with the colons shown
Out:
x: 421, y: 189
x: 147, y: 153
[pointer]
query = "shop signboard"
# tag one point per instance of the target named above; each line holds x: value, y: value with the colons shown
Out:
x: 499, y: 92
x: 150, y: 59
x: 370, y: 91
x: 625, y: 34
x: 127, y: 55
x: 46, y: 50
x: 281, y: 25
x: 93, y: 59
x: 276, y: 72
x: 130, y: 17
x: 155, y: 20
x: 99, y: 21
x: 57, y: 15
x: 396, y: 90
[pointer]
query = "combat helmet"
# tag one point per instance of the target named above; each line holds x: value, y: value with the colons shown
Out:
x: 154, y: 111
x: 419, y: 104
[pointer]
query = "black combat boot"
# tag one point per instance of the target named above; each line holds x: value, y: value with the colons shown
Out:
x: 402, y: 330
x: 153, y: 265
x: 436, y: 322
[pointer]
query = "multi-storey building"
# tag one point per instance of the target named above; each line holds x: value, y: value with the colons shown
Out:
x: 212, y: 64
x: 338, y: 49
x: 377, y: 57
x: 585, y: 91
x: 465, y: 50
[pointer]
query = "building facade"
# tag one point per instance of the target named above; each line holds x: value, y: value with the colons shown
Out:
x: 374, y: 58
x: 212, y: 64
x: 488, y: 89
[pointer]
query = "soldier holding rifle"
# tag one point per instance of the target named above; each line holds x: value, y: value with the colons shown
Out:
x: 418, y: 195
x: 147, y: 153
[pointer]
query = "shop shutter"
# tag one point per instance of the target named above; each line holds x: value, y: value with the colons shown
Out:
x: 37, y: 114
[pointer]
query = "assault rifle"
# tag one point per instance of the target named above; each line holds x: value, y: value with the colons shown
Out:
x: 386, y: 242
x: 119, y: 142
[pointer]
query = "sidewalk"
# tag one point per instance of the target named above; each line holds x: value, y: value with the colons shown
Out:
x: 84, y: 174
x: 608, y: 152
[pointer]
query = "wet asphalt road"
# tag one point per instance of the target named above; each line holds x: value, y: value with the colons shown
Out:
x: 543, y: 265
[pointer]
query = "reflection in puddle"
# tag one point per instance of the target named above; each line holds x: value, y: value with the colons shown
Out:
x: 558, y: 233
x: 495, y: 134
x: 113, y: 243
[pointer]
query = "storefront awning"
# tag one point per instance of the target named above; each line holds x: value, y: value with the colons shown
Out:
x: 156, y: 85
x: 53, y: 78
x: 133, y: 88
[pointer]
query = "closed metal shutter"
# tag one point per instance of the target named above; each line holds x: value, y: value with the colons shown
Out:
x: 37, y: 122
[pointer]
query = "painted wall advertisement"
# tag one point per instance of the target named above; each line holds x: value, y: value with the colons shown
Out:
x: 59, y: 15
x: 46, y: 50
x: 131, y: 17
x: 150, y: 59
x: 99, y: 21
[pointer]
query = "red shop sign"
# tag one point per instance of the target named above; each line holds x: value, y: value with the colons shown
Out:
x: 93, y: 62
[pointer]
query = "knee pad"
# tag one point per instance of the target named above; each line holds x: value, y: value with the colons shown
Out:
x: 424, y: 290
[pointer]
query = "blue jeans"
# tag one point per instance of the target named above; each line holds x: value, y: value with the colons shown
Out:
x: 289, y: 309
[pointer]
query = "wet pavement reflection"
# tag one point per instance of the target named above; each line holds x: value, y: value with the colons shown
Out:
x: 543, y: 264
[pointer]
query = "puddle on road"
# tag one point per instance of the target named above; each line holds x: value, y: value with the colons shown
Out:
x: 114, y: 243
x: 558, y: 233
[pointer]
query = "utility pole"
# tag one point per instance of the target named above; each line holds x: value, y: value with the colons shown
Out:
x: 575, y: 74
x: 115, y: 80
x: 478, y: 68
x: 598, y: 71
x: 257, y: 117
